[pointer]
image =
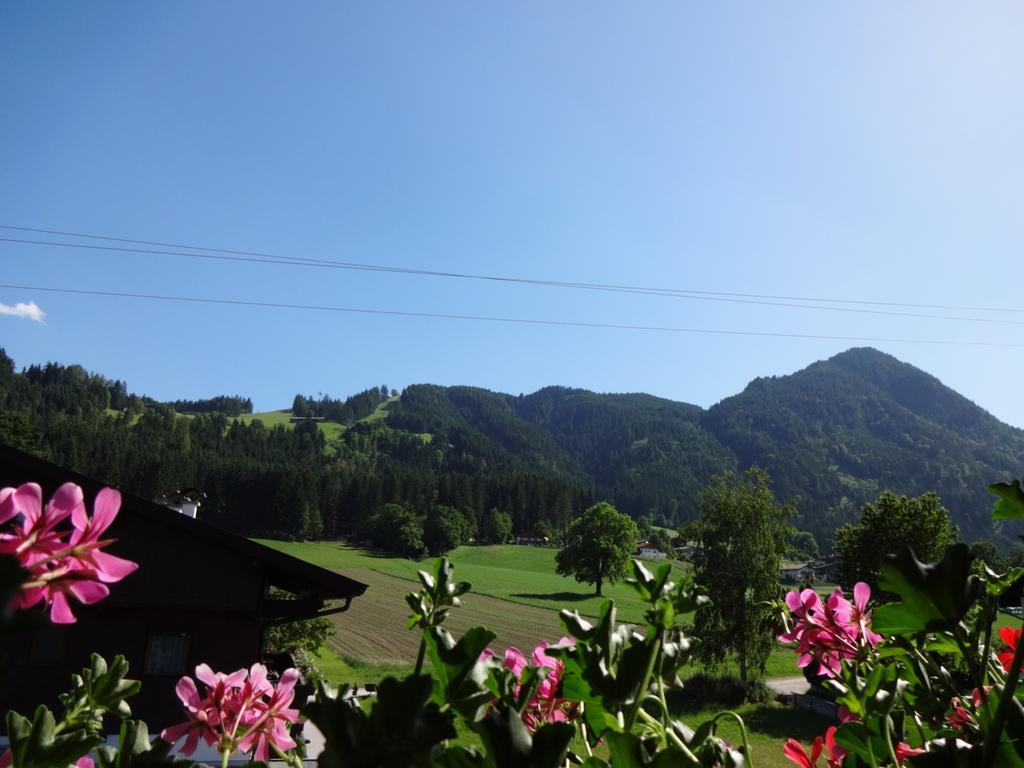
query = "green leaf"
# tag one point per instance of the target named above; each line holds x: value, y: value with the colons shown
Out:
x: 1010, y: 505
x: 36, y: 744
x: 461, y: 677
x: 402, y: 728
x: 934, y: 597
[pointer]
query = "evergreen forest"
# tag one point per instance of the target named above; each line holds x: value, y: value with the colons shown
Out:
x: 832, y: 437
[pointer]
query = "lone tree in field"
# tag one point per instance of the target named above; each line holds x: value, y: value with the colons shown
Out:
x: 887, y: 525
x: 742, y: 535
x: 598, y: 546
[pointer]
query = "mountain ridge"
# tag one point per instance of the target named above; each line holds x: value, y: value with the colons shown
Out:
x: 832, y: 435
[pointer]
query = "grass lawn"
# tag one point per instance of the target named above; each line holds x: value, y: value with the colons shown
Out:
x: 516, y: 594
x: 338, y: 670
x: 515, y: 573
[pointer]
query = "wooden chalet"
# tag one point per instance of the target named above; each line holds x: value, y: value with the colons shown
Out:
x: 200, y: 595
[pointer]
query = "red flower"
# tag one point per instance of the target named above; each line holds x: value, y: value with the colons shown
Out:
x: 904, y: 750
x: 794, y: 750
x: 963, y: 718
x: 1009, y: 637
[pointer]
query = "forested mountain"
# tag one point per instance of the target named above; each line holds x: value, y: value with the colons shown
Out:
x: 832, y: 436
x: 837, y: 433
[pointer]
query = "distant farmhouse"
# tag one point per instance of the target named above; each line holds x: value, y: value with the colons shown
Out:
x: 796, y: 573
x: 533, y: 539
x: 685, y: 551
x: 647, y: 549
x: 200, y: 594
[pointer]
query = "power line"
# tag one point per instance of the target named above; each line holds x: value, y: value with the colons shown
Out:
x: 555, y: 283
x: 323, y: 263
x: 509, y: 320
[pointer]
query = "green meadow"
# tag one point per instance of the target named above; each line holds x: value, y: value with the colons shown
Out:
x: 515, y: 593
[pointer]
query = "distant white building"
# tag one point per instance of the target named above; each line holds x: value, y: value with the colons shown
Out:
x: 796, y: 573
x: 646, y: 549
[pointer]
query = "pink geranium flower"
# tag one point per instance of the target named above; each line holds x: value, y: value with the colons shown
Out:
x: 62, y: 562
x: 829, y: 631
x: 276, y: 716
x: 240, y: 711
x: 36, y: 539
x: 86, y: 542
x: 204, y: 719
x: 545, y: 706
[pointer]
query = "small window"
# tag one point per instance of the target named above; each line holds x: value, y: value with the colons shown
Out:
x: 167, y: 653
x: 47, y: 647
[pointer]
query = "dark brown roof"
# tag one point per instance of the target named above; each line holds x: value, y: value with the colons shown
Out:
x: 284, y: 571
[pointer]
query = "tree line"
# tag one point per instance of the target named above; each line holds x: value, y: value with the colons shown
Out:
x: 284, y: 482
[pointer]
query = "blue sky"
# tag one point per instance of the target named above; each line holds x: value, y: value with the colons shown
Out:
x: 860, y: 151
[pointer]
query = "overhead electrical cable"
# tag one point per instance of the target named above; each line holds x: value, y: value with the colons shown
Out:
x: 321, y: 263
x: 508, y: 320
x: 556, y: 283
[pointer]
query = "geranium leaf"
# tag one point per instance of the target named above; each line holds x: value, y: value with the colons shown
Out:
x: 934, y: 597
x: 1010, y: 505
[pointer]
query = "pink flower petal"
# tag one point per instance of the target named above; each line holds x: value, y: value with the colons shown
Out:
x: 515, y: 660
x: 8, y: 509
x: 188, y: 693
x: 60, y: 610
x: 29, y: 501
x: 262, y: 753
x: 104, y: 509
x: 88, y: 592
x: 68, y: 500
x: 172, y: 733
x: 280, y: 737
x: 287, y: 682
x: 112, y: 568
x: 206, y: 675
x: 861, y: 596
x: 236, y: 678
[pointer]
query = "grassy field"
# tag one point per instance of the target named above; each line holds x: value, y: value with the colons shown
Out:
x: 524, y: 575
x: 330, y: 429
x: 516, y: 594
x: 271, y: 419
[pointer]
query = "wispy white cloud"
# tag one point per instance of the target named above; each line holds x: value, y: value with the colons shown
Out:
x: 29, y: 311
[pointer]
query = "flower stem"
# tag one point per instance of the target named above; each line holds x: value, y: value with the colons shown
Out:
x: 288, y: 757
x: 583, y: 730
x: 644, y: 683
x: 224, y: 755
x: 1006, y: 699
x: 420, y: 655
x: 672, y: 737
x: 743, y: 735
x: 888, y: 725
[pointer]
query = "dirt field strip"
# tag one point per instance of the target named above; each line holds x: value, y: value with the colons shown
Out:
x: 373, y: 628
